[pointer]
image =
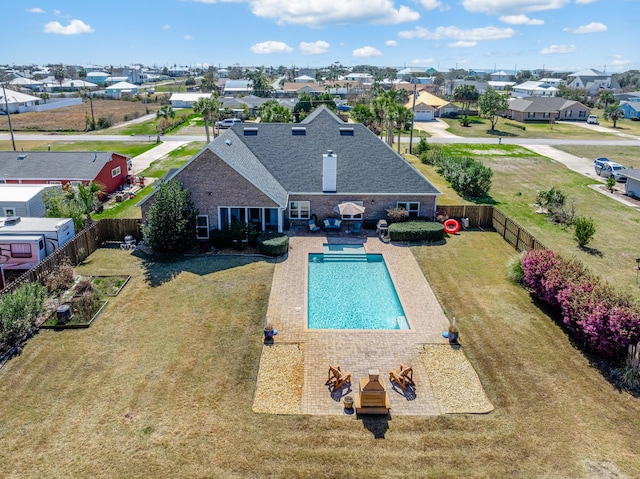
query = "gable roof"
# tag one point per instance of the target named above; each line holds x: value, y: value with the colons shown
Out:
x: 428, y: 99
x: 123, y: 85
x: 589, y: 72
x: 541, y: 104
x: 53, y: 165
x: 280, y: 163
x: 17, y: 97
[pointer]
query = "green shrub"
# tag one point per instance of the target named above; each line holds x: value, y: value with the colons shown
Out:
x: 467, y: 176
x: 104, y: 122
x: 515, y: 273
x: 221, y: 238
x: 273, y: 244
x: 416, y: 231
x: 422, y: 146
x: 85, y: 306
x: 19, y: 311
x: 584, y: 230
x: 515, y: 125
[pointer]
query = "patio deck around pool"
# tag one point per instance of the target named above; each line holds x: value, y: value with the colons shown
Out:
x: 357, y: 351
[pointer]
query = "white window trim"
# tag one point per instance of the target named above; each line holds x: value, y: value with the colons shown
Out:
x: 10, y: 208
x: 118, y: 169
x: 199, y: 227
x: 298, y: 217
x: 408, y: 203
x: 247, y: 208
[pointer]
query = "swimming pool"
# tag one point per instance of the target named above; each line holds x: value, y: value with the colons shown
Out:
x: 349, y: 289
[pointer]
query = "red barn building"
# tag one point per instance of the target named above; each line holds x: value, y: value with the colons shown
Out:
x: 52, y: 167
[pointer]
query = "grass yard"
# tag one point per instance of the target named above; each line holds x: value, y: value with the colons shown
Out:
x: 74, y: 118
x: 480, y: 128
x: 516, y: 181
x: 628, y: 156
x: 124, y: 148
x: 162, y: 385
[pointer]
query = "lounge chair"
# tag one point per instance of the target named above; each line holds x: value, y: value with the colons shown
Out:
x: 313, y: 226
x: 332, y: 224
x: 337, y: 377
x: 356, y: 227
x: 403, y: 376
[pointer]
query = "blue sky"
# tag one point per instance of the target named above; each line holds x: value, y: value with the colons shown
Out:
x: 505, y: 34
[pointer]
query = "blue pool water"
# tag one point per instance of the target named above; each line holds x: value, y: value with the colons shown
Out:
x: 352, y: 290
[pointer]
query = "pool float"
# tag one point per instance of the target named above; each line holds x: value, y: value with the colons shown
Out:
x: 451, y: 226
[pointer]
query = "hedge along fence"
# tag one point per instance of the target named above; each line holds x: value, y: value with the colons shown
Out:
x: 79, y: 247
x: 606, y: 320
x: 416, y: 231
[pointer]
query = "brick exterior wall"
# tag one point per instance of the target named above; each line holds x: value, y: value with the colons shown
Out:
x: 322, y: 205
x: 209, y: 174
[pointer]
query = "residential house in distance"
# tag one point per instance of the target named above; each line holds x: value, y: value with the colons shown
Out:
x: 186, y: 100
x: 593, y: 80
x: 27, y: 83
x: 500, y: 76
x: 49, y: 167
x: 631, y: 108
x: 304, y: 79
x: 237, y: 87
x: 359, y: 77
x: 309, y: 72
x: 97, y: 77
x: 451, y: 85
x: 17, y: 102
x: 531, y: 88
x: 120, y: 89
x: 273, y: 175
x: 441, y: 108
x: 547, y: 109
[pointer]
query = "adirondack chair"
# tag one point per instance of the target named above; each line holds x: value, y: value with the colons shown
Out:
x: 337, y: 377
x: 403, y: 376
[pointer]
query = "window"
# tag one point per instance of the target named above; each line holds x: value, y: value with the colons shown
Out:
x: 2, y: 182
x: 55, y: 182
x: 9, y: 211
x: 21, y: 250
x: 346, y: 131
x: 412, y: 207
x: 546, y: 114
x: 202, y: 227
x: 299, y: 210
x: 250, y: 132
x: 568, y: 113
x: 531, y: 114
x: 298, y: 131
x: 582, y: 114
x: 115, y: 172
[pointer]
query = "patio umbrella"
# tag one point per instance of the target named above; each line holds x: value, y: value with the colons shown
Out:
x: 350, y: 209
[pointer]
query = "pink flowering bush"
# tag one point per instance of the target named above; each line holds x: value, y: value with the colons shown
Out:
x: 606, y: 320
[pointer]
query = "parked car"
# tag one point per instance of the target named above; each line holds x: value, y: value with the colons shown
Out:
x: 612, y: 169
x: 228, y: 122
x: 598, y: 162
x: 593, y: 120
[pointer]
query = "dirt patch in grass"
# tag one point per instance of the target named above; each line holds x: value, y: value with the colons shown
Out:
x: 74, y: 118
x: 280, y: 379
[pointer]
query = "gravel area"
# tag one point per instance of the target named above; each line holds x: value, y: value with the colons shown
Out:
x: 454, y: 382
x: 280, y: 379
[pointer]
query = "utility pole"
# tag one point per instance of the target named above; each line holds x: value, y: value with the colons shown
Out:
x: 6, y: 105
x: 413, y: 119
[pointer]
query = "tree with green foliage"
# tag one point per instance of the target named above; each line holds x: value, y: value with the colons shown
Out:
x: 614, y: 113
x: 584, y: 230
x: 401, y: 116
x: 611, y: 184
x: 361, y: 113
x: 491, y: 104
x: 208, y: 82
x: 467, y: 176
x: 170, y: 226
x: 60, y: 204
x: 190, y: 81
x: 466, y: 94
x: 58, y: 74
x: 606, y: 98
x: 19, y: 311
x: 273, y: 112
x: 261, y: 83
x: 207, y: 107
x: 165, y: 115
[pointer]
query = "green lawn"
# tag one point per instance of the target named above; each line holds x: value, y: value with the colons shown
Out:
x: 519, y: 175
x: 480, y: 128
x: 161, y: 385
x: 628, y: 156
x: 124, y: 148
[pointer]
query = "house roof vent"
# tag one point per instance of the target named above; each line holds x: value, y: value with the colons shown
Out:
x: 298, y: 131
x: 250, y: 131
x: 346, y: 131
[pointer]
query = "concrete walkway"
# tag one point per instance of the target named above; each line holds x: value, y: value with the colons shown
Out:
x: 144, y: 160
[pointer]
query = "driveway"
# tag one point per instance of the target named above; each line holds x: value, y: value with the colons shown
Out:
x: 143, y: 160
x: 604, y: 129
x: 436, y: 128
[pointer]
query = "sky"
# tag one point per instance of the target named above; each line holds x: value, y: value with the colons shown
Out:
x: 559, y: 35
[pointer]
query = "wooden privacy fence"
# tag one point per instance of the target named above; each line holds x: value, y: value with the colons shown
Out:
x: 79, y: 247
x: 514, y: 234
x: 479, y: 215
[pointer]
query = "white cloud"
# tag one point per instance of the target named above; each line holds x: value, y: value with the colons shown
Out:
x: 314, y: 48
x: 391, y: 43
x: 505, y: 7
x: 585, y: 2
x: 166, y: 27
x: 558, y: 49
x: 188, y: 37
x: 271, y: 47
x: 34, y: 10
x: 593, y: 27
x: 431, y: 4
x: 455, y: 33
x: 422, y: 61
x: 619, y: 61
x: 75, y: 27
x: 57, y: 13
x: 521, y: 19
x: 318, y: 12
x: 462, y: 44
x: 367, y: 52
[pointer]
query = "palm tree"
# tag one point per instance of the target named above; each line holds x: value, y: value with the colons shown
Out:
x: 607, y: 98
x: 401, y: 115
x: 465, y: 94
x: 58, y: 74
x: 207, y: 107
x: 614, y: 113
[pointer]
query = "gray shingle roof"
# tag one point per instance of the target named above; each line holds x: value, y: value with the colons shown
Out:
x: 365, y: 164
x: 50, y: 165
x: 540, y: 104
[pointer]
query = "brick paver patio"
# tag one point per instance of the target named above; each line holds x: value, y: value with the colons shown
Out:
x: 357, y: 351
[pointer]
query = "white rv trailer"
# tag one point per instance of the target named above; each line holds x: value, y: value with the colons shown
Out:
x: 56, y: 231
x: 21, y: 251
